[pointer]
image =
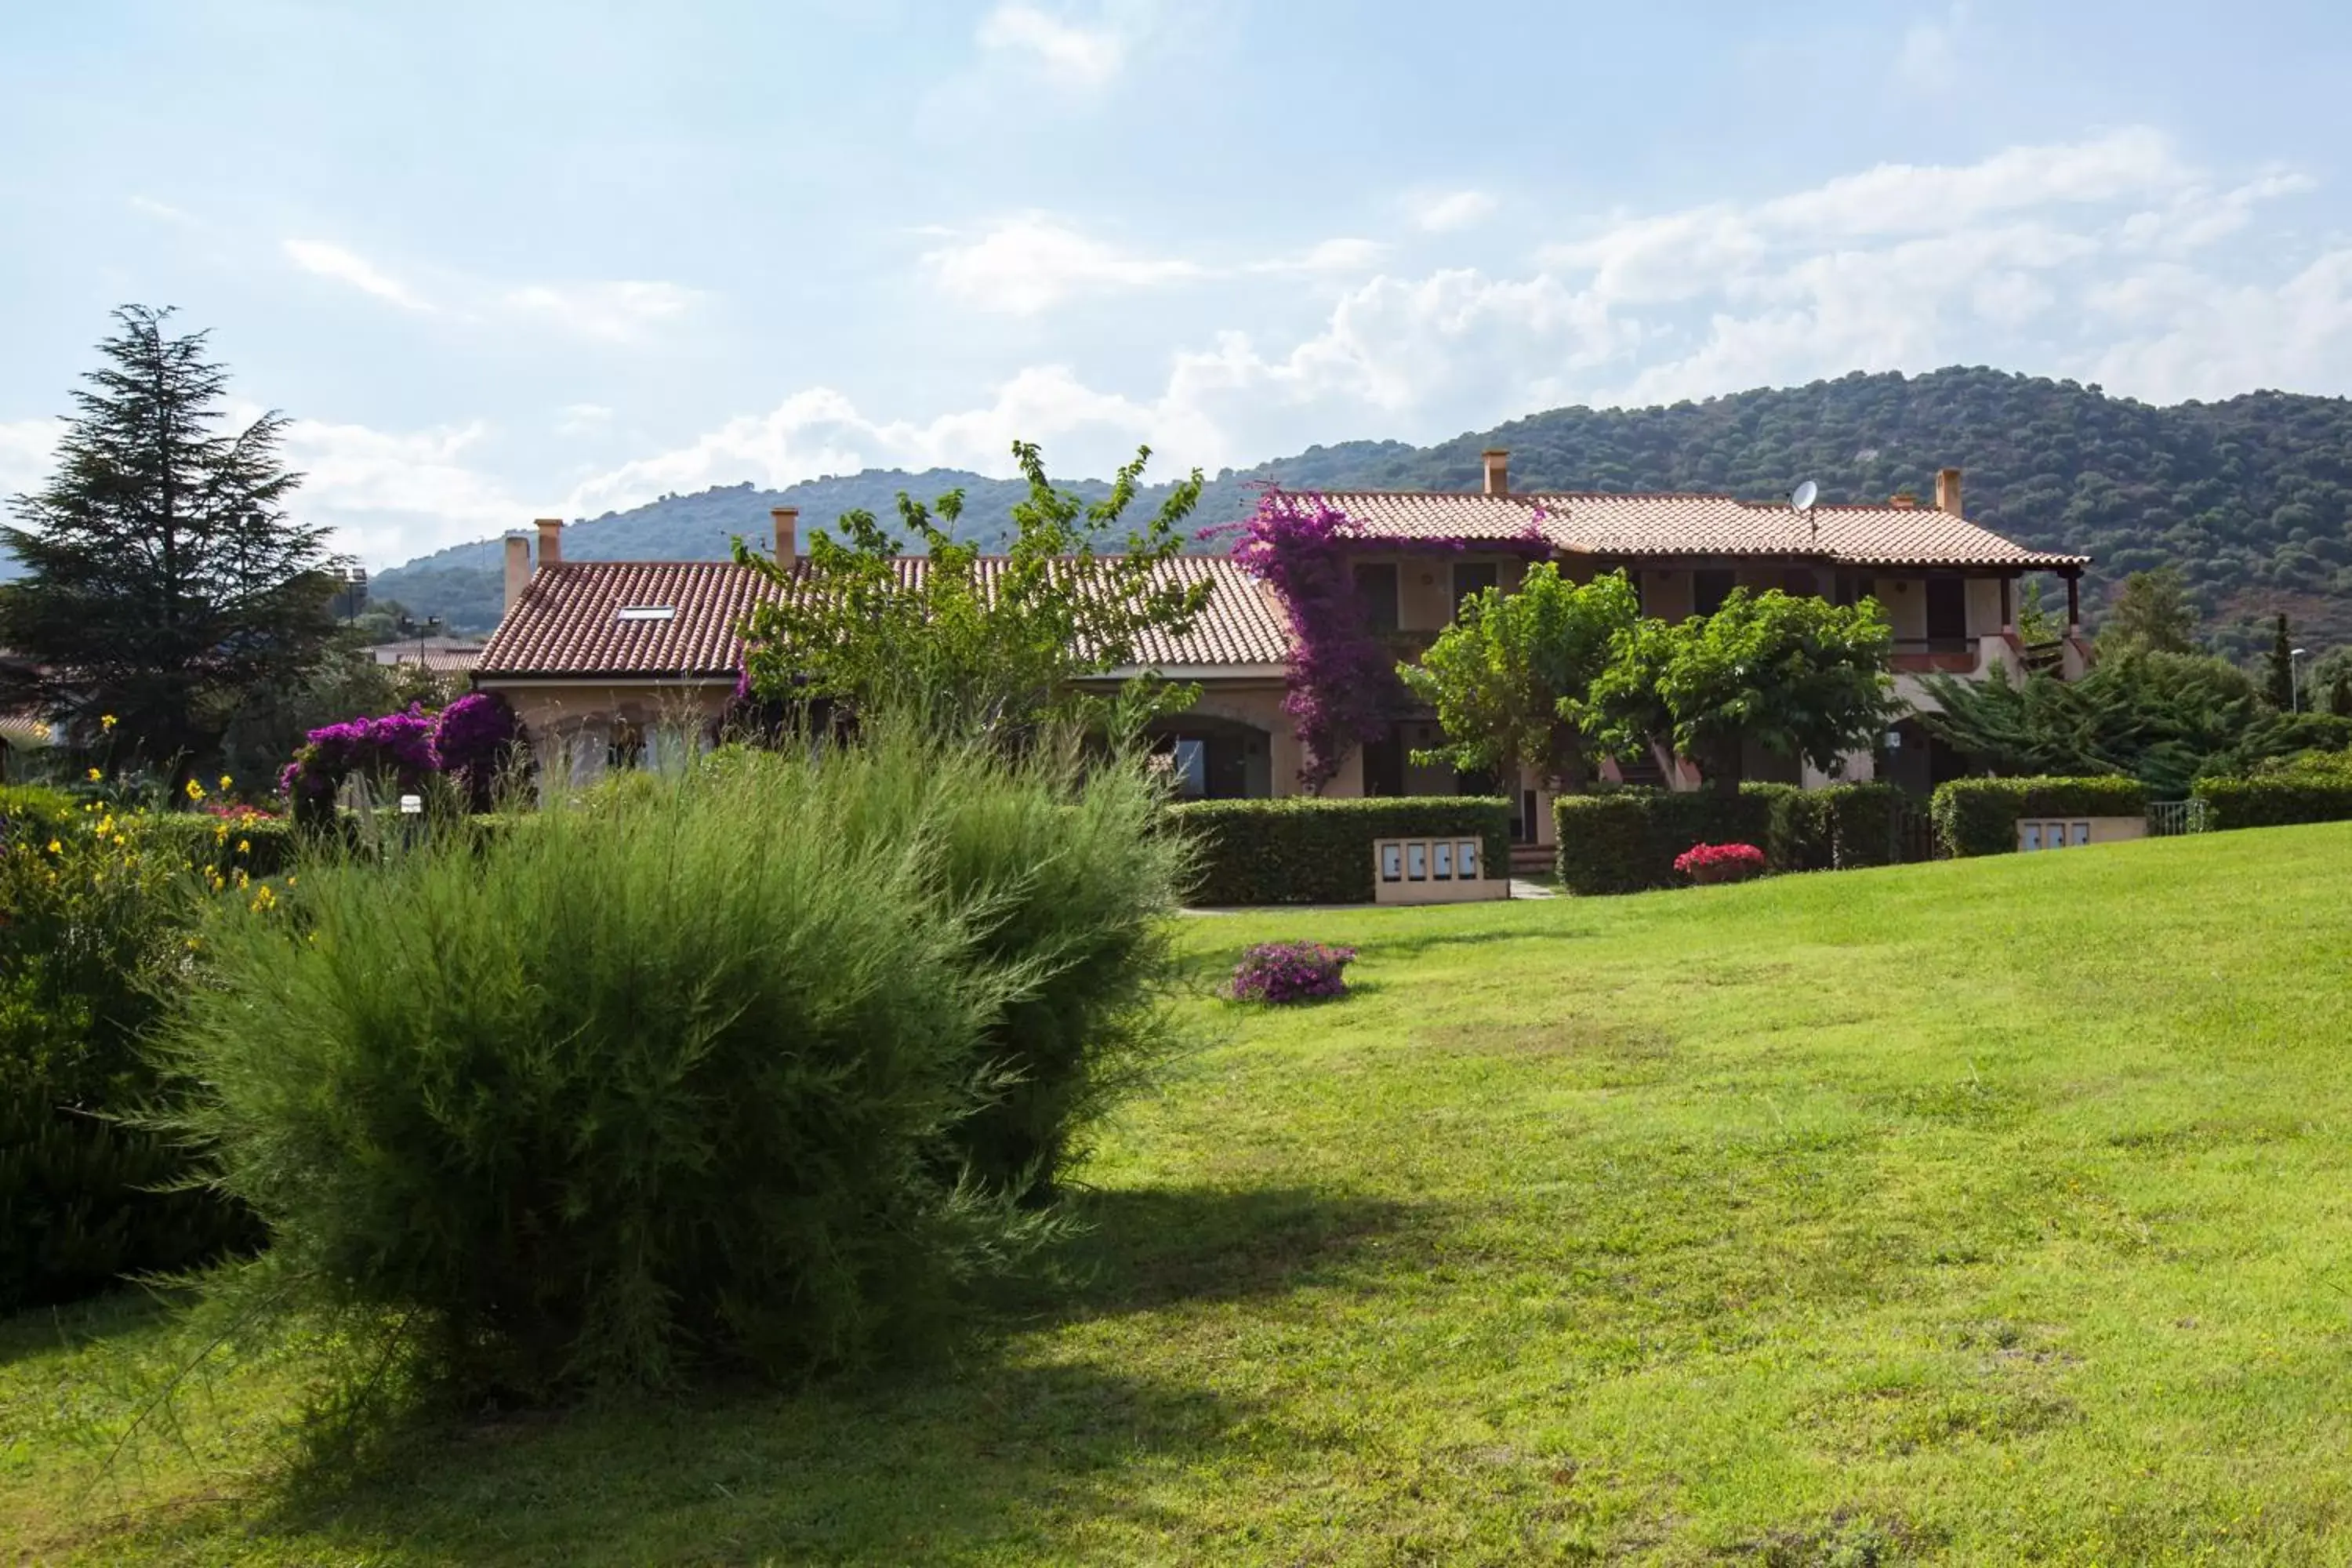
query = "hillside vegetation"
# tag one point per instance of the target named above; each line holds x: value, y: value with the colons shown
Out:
x: 2251, y: 497
x: 1976, y: 1212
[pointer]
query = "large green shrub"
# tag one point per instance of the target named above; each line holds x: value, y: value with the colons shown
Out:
x: 2276, y: 801
x: 258, y: 846
x: 95, y: 932
x: 1303, y: 850
x: 1625, y: 841
x: 686, y: 1080
x: 1979, y: 817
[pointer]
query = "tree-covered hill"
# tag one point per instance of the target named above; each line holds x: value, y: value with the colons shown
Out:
x: 2251, y: 497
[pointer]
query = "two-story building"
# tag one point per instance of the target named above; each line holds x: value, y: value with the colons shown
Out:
x: 601, y: 658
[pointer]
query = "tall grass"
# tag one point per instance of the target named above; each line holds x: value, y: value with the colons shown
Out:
x: 752, y: 1067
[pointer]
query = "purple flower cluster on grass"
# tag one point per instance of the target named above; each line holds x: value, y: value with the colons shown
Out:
x: 1281, y: 971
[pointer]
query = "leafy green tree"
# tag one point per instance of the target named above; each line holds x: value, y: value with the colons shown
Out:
x: 164, y: 583
x: 1498, y: 676
x: 2152, y: 614
x: 1802, y: 678
x: 2036, y: 623
x: 2279, y: 685
x: 2339, y: 695
x: 988, y: 645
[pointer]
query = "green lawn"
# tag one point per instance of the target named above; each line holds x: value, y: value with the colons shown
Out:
x: 1987, y: 1212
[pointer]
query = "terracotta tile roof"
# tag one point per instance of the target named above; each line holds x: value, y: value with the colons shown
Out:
x: 570, y: 620
x: 1672, y: 524
x: 441, y: 658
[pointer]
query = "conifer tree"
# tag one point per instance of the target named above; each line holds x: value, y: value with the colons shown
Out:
x: 163, y: 581
x: 2280, y: 687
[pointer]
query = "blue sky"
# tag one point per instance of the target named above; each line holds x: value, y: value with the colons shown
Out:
x: 504, y: 258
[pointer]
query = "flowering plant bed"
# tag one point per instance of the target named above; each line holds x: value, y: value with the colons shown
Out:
x: 1704, y: 863
x: 1280, y: 972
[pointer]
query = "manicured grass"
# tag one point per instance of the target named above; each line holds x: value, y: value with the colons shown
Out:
x: 1984, y: 1211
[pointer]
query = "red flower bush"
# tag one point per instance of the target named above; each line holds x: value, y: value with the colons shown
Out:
x: 1704, y: 863
x: 1282, y: 972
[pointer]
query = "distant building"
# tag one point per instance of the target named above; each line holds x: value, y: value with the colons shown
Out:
x: 596, y: 655
x: 441, y: 655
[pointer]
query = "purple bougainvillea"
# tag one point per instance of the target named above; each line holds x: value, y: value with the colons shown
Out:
x: 1343, y: 685
x: 471, y: 740
x: 1282, y: 972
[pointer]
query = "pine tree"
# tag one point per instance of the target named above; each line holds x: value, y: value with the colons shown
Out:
x: 163, y: 582
x: 2280, y: 688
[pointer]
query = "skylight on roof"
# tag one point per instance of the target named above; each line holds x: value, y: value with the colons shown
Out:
x: 646, y: 613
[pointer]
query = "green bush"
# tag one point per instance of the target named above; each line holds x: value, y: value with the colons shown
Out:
x: 1979, y: 817
x: 1305, y: 850
x: 1625, y: 841
x: 744, y: 1072
x: 2276, y: 801
x: 32, y: 805
x: 94, y: 940
x: 258, y: 846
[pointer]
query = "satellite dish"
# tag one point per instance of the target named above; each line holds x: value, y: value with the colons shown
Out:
x: 1807, y: 494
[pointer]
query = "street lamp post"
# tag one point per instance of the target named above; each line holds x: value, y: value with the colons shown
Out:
x: 2295, y: 679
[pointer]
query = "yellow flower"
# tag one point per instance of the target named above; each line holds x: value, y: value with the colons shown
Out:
x: 106, y: 824
x: 264, y: 900
x: 220, y: 832
x: 224, y: 784
x: 56, y: 847
x: 105, y: 721
x: 242, y: 879
x: 95, y: 775
x: 244, y: 845
x: 120, y: 841
x: 196, y: 790
x: 290, y: 881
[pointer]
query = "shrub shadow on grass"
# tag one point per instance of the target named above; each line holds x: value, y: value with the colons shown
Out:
x: 1148, y: 1249
x: 996, y: 1454
x: 128, y: 1312
x: 996, y: 1461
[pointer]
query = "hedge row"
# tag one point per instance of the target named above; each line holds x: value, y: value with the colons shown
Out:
x: 1626, y: 841
x: 261, y: 846
x: 2273, y: 802
x: 1305, y: 850
x: 1979, y: 817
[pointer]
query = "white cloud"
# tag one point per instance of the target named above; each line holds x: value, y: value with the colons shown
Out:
x: 1032, y: 263
x: 149, y: 208
x: 582, y: 419
x: 393, y: 494
x: 1445, y: 213
x: 28, y: 453
x: 2113, y: 258
x: 341, y: 265
x: 1929, y: 59
x: 624, y: 311
x: 1085, y: 58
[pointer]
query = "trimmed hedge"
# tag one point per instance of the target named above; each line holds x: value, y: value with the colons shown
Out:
x: 1302, y: 849
x: 2273, y: 802
x: 1979, y: 817
x: 1626, y: 841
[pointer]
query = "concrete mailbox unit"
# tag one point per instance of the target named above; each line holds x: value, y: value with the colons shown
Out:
x: 2073, y: 832
x: 1433, y: 871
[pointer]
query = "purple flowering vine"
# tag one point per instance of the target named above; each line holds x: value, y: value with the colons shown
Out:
x: 471, y: 740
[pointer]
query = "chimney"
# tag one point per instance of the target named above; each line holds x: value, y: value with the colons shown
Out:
x: 551, y: 542
x: 1499, y: 471
x: 788, y: 533
x: 1948, y: 490
x: 517, y: 566
x: 1903, y: 502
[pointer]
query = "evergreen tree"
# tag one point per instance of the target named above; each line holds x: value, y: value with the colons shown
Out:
x: 2151, y: 614
x: 2280, y: 687
x: 163, y: 582
x: 2339, y: 695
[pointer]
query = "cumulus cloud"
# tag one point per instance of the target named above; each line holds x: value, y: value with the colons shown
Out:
x: 1088, y: 57
x: 2112, y: 258
x: 27, y: 453
x: 1450, y: 210
x: 1031, y: 263
x: 391, y: 494
x: 348, y: 267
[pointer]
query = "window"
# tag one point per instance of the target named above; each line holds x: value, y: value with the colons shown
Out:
x: 1798, y: 584
x: 625, y: 746
x: 646, y: 613
x: 1709, y: 588
x: 1470, y: 577
x: 1191, y: 767
x: 1375, y: 586
x: 1847, y: 590
x: 1947, y: 609
x: 1384, y: 765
